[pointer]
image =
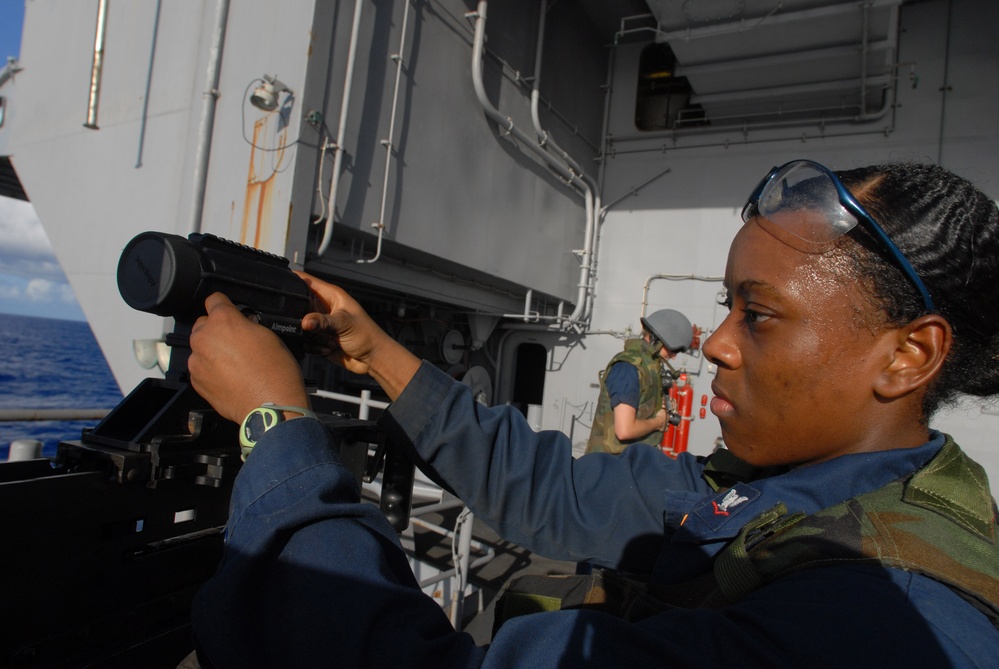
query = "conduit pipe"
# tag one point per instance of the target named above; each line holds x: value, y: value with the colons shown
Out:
x: 206, y: 127
x: 673, y: 277
x: 774, y: 17
x: 506, y: 123
x: 149, y: 84
x: 97, y: 68
x: 341, y: 129
x: 591, y: 193
x: 390, y: 142
x: 865, y: 13
x: 543, y: 138
x: 946, y: 84
x: 779, y: 60
x: 720, y: 127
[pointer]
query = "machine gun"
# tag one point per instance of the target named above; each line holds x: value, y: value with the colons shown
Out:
x: 108, y: 543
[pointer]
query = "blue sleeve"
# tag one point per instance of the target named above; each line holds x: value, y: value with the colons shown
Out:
x: 622, y: 385
x: 605, y: 509
x: 312, y: 577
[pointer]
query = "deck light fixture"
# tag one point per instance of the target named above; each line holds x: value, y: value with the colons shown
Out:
x: 265, y: 96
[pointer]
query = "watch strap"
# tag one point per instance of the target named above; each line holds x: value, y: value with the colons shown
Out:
x: 262, y: 419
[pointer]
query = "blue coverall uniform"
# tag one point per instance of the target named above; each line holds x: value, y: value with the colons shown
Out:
x: 313, y: 578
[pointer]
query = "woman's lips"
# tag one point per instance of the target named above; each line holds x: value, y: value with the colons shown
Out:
x: 720, y: 406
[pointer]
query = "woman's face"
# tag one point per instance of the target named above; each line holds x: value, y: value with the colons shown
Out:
x: 796, y: 357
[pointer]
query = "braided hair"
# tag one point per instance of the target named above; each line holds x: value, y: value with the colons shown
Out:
x: 949, y: 231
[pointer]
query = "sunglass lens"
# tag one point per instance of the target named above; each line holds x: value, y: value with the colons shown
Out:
x: 803, y: 200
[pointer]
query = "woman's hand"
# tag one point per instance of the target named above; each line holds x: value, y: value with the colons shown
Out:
x: 348, y: 337
x: 237, y: 365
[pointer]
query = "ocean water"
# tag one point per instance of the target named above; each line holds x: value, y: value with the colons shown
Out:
x: 50, y: 364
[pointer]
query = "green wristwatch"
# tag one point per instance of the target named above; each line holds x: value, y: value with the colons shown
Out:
x: 262, y: 419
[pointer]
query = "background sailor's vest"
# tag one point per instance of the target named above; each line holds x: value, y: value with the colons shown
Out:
x: 638, y: 353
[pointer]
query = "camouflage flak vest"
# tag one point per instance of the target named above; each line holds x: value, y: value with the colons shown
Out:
x: 940, y: 522
x: 640, y: 354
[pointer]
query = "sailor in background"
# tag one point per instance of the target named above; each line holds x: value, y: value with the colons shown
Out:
x: 631, y: 407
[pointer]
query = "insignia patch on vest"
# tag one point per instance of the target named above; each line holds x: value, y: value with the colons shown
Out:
x: 731, y: 498
x: 716, y: 511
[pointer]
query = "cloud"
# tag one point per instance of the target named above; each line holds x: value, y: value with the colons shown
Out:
x: 40, y: 290
x: 25, y: 250
x: 31, y: 281
x: 45, y: 291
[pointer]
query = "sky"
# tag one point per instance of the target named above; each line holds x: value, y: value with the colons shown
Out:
x: 31, y: 281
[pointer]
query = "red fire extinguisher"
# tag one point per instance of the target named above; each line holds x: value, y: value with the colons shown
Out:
x: 685, y: 400
x: 679, y: 405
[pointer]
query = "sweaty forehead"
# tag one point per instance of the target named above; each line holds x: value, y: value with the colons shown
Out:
x: 781, y: 225
x: 761, y: 261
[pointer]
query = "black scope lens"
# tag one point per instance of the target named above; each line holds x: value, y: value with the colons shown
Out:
x: 160, y: 273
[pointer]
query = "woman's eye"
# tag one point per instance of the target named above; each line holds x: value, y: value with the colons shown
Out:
x: 749, y: 316
x: 754, y: 317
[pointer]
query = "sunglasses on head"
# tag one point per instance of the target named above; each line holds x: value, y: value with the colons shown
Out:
x: 807, y: 200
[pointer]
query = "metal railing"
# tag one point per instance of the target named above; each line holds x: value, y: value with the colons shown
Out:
x: 25, y: 415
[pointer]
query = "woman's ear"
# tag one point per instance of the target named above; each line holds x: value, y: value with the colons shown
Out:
x: 920, y: 349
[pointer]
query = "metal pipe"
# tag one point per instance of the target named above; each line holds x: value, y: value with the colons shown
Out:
x: 478, y: 562
x: 462, y: 567
x: 584, y: 295
x: 490, y: 553
x: 341, y: 128
x: 945, y: 88
x: 364, y: 401
x: 865, y: 21
x: 634, y: 189
x: 600, y: 209
x: 437, y: 507
x: 749, y: 142
x: 673, y: 277
x: 149, y: 84
x: 816, y: 119
x: 794, y: 89
x: 778, y: 60
x: 773, y: 18
x: 207, y: 124
x: 818, y: 114
x: 468, y: 542
x: 390, y: 142
x: 506, y: 123
x: 543, y: 137
x: 18, y: 415
x: 96, y: 69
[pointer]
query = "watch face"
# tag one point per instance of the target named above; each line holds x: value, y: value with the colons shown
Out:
x: 258, y: 422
